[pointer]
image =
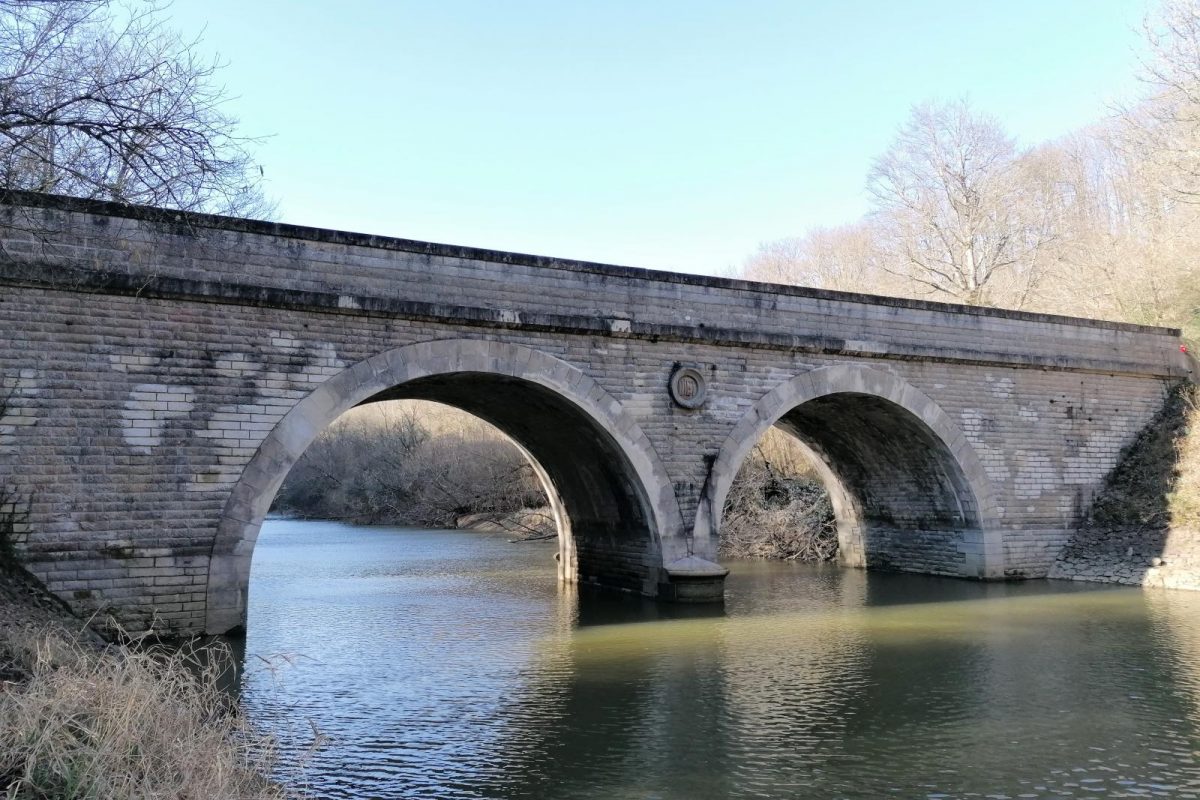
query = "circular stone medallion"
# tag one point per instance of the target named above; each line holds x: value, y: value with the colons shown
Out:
x: 688, y: 387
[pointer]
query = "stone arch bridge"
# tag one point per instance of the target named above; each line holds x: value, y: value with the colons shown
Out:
x: 163, y: 371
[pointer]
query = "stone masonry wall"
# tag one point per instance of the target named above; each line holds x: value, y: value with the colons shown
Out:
x: 146, y: 361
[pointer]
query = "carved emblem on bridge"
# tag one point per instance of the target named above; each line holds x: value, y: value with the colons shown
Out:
x: 688, y: 387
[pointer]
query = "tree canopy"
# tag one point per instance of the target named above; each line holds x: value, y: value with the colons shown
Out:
x: 107, y: 102
x: 1103, y: 222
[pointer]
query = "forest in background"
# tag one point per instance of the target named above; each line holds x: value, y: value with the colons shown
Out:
x: 1100, y: 223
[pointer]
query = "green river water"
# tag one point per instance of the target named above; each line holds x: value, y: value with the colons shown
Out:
x: 451, y: 665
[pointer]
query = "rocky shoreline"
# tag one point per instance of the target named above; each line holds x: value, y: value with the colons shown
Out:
x: 1159, y: 557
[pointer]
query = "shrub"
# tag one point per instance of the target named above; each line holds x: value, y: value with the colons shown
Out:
x: 410, y: 463
x: 777, y: 508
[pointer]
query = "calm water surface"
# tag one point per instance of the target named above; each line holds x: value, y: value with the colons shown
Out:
x: 451, y: 665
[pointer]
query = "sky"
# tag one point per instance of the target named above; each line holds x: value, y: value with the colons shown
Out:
x: 669, y: 135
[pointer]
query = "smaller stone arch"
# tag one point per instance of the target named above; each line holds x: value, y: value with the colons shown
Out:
x: 832, y: 411
x: 629, y: 523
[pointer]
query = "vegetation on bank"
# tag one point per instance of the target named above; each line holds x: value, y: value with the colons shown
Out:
x: 423, y: 464
x: 410, y: 463
x: 777, y: 507
x: 1156, y: 484
x: 1184, y: 498
x: 87, y: 722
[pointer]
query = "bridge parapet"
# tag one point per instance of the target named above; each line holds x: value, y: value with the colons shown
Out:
x: 149, y: 252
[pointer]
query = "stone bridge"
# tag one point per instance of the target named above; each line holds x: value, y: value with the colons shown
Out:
x: 163, y: 371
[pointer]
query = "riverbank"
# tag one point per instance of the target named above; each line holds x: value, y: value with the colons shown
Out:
x: 82, y: 717
x: 529, y: 524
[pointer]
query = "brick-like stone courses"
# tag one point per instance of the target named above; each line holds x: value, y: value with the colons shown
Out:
x: 147, y: 370
x: 1046, y: 441
x: 935, y: 552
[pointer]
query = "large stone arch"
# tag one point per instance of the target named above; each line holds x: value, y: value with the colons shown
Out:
x: 619, y: 520
x: 864, y: 427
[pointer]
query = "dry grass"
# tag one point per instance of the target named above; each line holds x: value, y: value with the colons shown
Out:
x: 125, y: 723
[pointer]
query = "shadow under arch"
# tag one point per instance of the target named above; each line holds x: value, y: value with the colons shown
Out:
x: 618, y: 519
x: 908, y: 489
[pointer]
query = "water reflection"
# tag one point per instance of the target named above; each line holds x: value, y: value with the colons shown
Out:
x: 451, y: 665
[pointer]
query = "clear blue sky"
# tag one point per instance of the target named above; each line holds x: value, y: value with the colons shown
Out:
x: 671, y: 135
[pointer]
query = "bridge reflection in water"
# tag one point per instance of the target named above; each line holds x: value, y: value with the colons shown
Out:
x: 452, y: 665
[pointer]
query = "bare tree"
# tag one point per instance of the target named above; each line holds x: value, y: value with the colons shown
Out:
x: 1104, y: 222
x: 109, y: 103
x: 1123, y: 248
x: 1164, y: 128
x: 846, y: 258
x: 948, y: 201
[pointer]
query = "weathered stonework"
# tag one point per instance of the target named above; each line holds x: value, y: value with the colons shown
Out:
x: 166, y: 370
x: 1136, y: 532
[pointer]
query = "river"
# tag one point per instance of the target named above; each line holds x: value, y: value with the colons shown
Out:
x: 443, y: 664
